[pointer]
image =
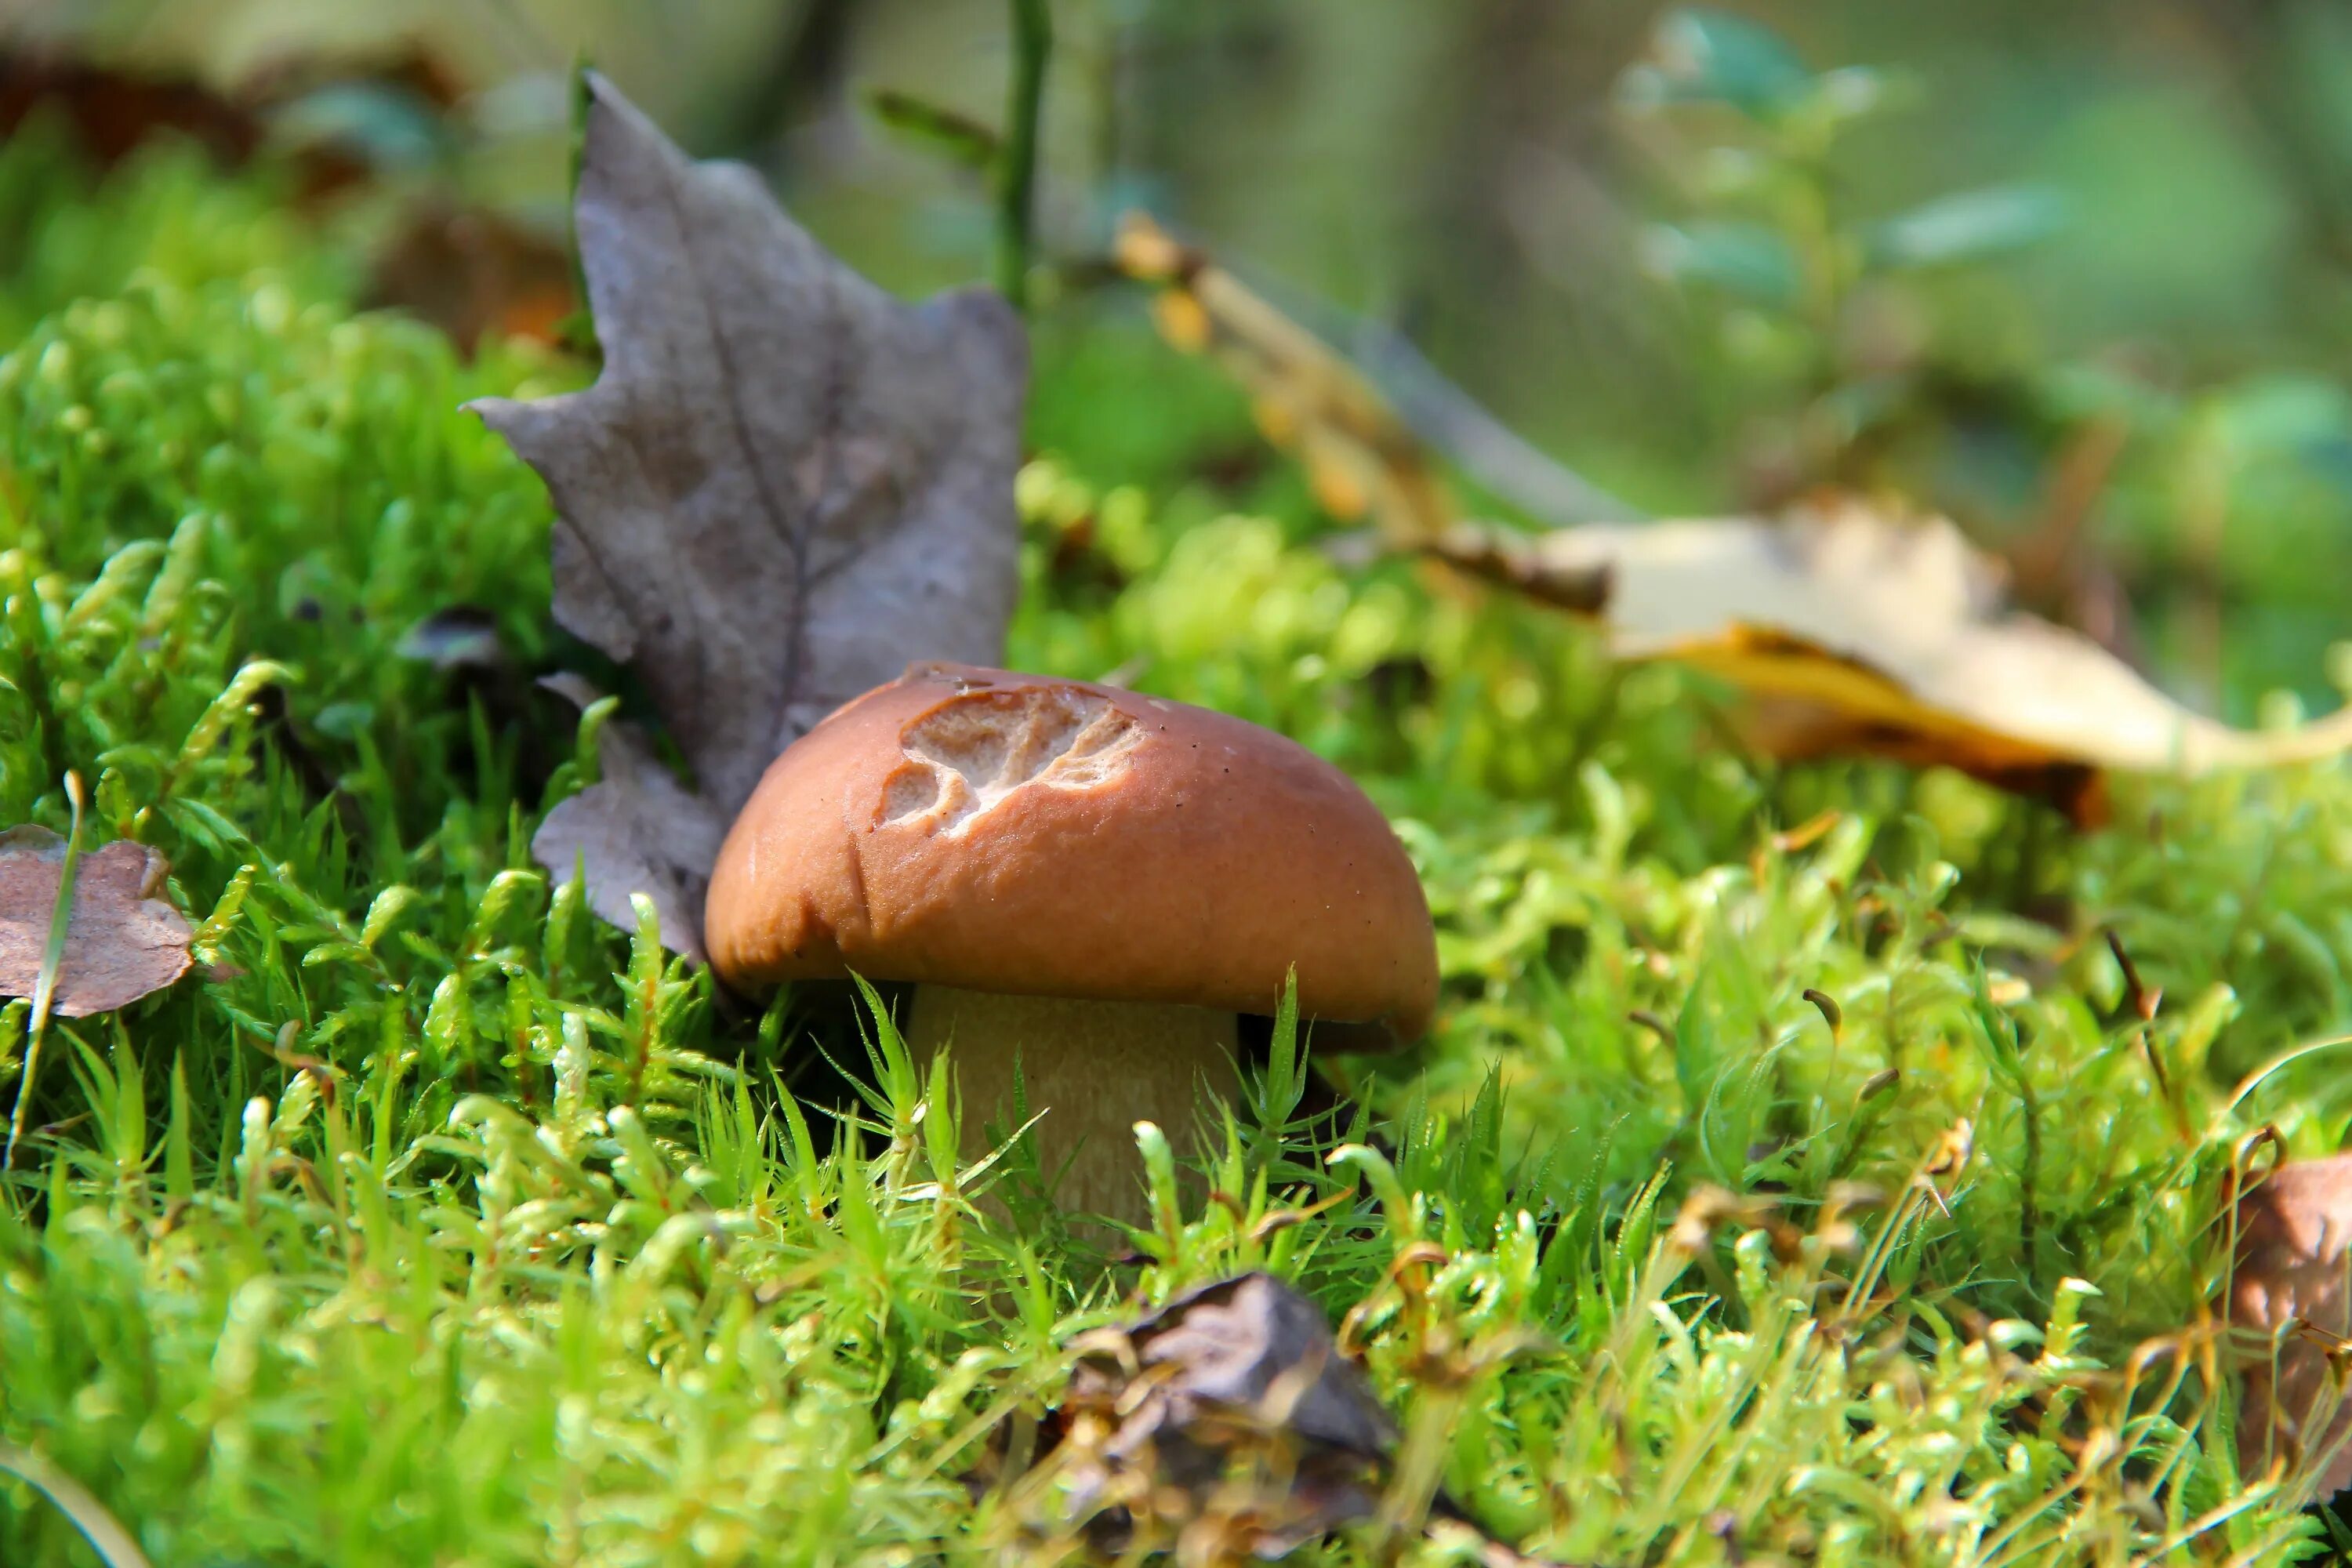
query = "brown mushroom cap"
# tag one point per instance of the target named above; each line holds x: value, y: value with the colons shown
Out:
x: 1035, y: 835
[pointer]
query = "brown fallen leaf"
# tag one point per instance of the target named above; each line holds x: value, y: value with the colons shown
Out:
x: 784, y: 486
x: 469, y: 269
x: 113, y: 107
x: 123, y: 940
x: 113, y: 112
x: 2292, y: 1303
x: 1231, y: 1410
x: 474, y: 273
x: 1226, y: 1425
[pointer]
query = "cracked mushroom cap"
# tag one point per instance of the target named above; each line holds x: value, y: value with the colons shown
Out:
x: 1035, y: 835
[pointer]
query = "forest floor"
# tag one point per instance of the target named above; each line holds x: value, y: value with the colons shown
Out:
x: 431, y: 1220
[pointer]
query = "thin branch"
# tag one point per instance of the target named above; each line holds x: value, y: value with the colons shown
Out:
x: 1442, y: 414
x: 44, y: 987
x: 105, y: 1534
x: 1519, y: 563
x: 1032, y: 46
x: 1489, y: 451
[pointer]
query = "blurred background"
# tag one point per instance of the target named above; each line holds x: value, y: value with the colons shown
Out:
x: 2078, y: 272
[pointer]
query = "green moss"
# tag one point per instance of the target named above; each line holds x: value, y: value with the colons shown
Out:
x: 538, y: 1263
x: 163, y: 215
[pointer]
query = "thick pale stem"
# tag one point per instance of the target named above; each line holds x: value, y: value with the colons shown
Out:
x: 1095, y: 1068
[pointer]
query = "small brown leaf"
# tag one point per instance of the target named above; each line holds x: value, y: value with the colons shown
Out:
x: 1232, y: 1343
x: 2293, y: 1234
x: 784, y: 486
x: 123, y: 940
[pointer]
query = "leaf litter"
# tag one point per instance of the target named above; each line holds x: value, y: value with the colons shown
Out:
x: 1230, y: 1409
x: 123, y: 940
x: 1853, y: 628
x: 785, y: 485
x: 1227, y: 1424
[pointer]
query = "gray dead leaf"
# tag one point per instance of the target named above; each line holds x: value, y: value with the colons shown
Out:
x: 1234, y: 1407
x: 123, y: 940
x: 637, y: 830
x: 1231, y: 1344
x: 785, y: 485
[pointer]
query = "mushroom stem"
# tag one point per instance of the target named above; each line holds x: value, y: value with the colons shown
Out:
x: 1095, y: 1068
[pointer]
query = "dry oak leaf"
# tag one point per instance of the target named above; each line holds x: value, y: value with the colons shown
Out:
x: 785, y: 485
x: 123, y: 940
x: 2291, y: 1300
x: 1889, y: 636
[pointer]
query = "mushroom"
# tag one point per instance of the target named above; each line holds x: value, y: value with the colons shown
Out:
x: 2293, y: 1231
x: 1093, y: 883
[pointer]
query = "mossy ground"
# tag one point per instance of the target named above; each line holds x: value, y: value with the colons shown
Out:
x: 437, y: 1223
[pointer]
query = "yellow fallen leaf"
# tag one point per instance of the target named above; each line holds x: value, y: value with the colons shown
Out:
x: 1877, y: 634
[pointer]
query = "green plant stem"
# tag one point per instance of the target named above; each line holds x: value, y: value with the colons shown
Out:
x: 106, y: 1536
x: 45, y: 987
x: 2029, y: 1181
x: 1016, y: 172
